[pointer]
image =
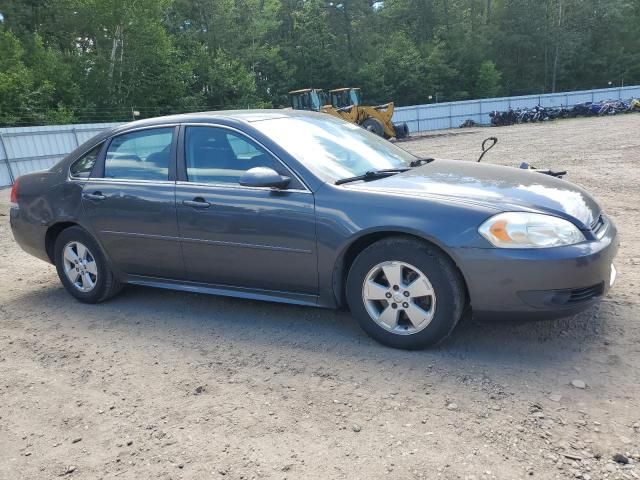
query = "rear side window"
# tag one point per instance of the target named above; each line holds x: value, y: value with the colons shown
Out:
x: 83, y: 167
x: 142, y: 155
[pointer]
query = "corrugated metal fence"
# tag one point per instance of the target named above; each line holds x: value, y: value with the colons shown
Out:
x: 27, y: 149
x: 440, y: 116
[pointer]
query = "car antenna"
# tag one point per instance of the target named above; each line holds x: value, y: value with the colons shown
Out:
x: 486, y: 149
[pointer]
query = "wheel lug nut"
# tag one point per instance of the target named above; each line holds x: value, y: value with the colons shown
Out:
x: 388, y: 294
x: 393, y: 305
x: 405, y: 305
x: 406, y: 293
x: 396, y: 288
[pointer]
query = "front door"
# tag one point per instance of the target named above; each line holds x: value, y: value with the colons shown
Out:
x: 237, y: 236
x: 130, y: 203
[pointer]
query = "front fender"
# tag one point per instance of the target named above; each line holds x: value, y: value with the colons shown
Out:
x: 345, y: 217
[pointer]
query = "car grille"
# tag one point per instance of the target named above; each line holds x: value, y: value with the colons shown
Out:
x: 578, y: 295
x: 598, y: 227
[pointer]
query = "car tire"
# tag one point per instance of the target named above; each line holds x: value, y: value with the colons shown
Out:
x: 374, y: 125
x: 90, y: 263
x: 439, y: 310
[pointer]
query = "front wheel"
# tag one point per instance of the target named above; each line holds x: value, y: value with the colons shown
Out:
x: 374, y: 125
x: 405, y: 293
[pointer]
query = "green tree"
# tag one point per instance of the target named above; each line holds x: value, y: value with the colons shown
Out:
x: 488, y: 81
x: 398, y: 75
x: 97, y: 60
x: 223, y: 82
x: 26, y: 95
x: 442, y: 76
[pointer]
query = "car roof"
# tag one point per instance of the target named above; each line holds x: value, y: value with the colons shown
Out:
x: 227, y: 116
x: 241, y: 115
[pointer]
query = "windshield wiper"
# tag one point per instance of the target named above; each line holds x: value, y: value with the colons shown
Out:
x: 372, y: 175
x: 421, y: 161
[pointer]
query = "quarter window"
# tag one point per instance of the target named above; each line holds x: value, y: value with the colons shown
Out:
x: 83, y: 167
x: 220, y: 156
x: 142, y: 155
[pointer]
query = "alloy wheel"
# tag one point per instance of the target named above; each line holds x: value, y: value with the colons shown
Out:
x: 399, y: 297
x: 80, y: 266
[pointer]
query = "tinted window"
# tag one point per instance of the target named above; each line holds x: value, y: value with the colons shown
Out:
x: 217, y: 155
x: 142, y: 155
x: 82, y: 167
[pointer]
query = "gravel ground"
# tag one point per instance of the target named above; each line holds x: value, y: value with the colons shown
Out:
x: 158, y: 384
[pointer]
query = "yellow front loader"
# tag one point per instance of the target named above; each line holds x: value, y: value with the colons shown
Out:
x: 345, y: 103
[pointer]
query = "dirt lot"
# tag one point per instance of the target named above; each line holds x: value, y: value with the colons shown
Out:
x: 158, y: 384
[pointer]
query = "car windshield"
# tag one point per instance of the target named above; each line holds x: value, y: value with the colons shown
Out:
x: 334, y: 149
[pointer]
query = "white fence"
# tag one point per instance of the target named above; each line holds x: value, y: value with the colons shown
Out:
x: 27, y: 149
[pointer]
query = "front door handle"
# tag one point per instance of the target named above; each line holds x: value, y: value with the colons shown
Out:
x: 94, y: 196
x: 197, y: 202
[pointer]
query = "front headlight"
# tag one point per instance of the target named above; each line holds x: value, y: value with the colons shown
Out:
x: 529, y: 230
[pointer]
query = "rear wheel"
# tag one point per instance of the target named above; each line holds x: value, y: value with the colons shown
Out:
x: 401, y: 129
x: 405, y: 293
x: 374, y: 125
x: 82, y: 267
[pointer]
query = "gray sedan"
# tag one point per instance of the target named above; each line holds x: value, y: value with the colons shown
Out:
x: 303, y: 208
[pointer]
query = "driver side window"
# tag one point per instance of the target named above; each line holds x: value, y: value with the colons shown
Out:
x: 220, y: 156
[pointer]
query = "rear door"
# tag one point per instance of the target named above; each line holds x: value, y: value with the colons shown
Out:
x: 240, y: 236
x: 129, y: 202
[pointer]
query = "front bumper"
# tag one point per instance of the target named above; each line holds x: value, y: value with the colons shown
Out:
x: 539, y: 283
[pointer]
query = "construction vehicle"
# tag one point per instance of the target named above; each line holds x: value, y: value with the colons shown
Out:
x: 344, y: 97
x: 308, y: 99
x: 346, y: 103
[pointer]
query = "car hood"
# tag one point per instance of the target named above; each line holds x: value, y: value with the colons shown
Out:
x: 494, y: 186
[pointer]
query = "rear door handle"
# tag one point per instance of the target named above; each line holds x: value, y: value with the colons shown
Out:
x: 197, y: 202
x: 94, y: 196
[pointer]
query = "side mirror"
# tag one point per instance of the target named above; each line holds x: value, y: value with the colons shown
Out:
x: 263, y: 177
